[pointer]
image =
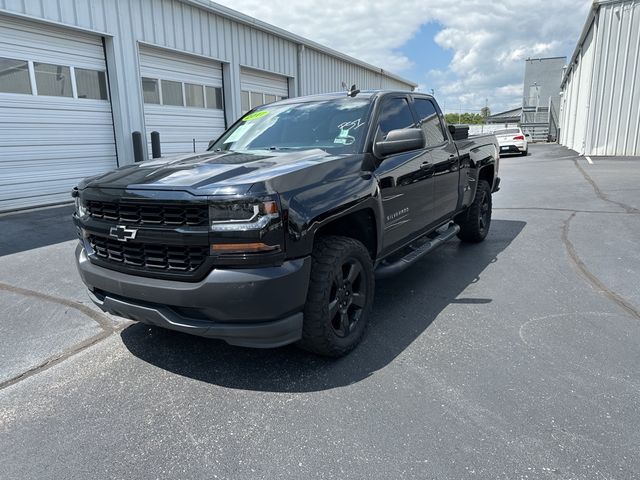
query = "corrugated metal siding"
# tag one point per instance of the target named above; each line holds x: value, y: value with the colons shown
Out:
x: 583, y: 93
x: 48, y: 144
x: 321, y: 73
x: 607, y: 109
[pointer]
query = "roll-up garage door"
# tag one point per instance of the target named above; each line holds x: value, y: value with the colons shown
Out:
x: 182, y: 99
x: 258, y: 88
x: 56, y: 125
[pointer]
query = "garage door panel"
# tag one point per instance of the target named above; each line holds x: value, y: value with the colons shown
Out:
x: 15, y: 137
x: 35, y: 199
x: 17, y: 106
x: 47, y: 143
x: 17, y: 155
x: 35, y: 185
x: 37, y: 173
x: 169, y: 65
x: 179, y: 126
x: 53, y: 44
x: 263, y: 82
x: 165, y: 114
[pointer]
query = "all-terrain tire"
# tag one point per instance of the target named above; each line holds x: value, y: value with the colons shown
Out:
x: 475, y: 221
x: 342, y: 275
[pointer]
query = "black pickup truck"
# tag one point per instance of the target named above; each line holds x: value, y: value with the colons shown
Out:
x: 276, y: 234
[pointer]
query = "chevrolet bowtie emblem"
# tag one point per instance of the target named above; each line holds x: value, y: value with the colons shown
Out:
x: 123, y: 233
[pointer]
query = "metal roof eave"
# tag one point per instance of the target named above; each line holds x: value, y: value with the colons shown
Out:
x: 266, y: 27
x: 595, y: 6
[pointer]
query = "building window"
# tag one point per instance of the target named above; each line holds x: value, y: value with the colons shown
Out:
x: 91, y: 84
x: 53, y: 80
x: 214, y: 97
x: 172, y: 93
x: 150, y: 90
x: 256, y: 99
x: 246, y: 104
x: 252, y: 100
x: 14, y: 76
x: 194, y: 95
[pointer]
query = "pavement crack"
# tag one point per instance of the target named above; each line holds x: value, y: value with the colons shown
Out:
x: 56, y: 359
x: 102, y: 320
x: 106, y: 325
x: 590, y: 277
x: 600, y: 194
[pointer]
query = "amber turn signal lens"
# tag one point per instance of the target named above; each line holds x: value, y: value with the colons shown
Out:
x: 241, y: 247
x: 269, y: 208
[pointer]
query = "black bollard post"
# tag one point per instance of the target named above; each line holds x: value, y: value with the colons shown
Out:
x: 138, y: 152
x: 155, y: 145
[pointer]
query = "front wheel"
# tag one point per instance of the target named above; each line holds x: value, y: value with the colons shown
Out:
x: 475, y: 222
x: 340, y: 296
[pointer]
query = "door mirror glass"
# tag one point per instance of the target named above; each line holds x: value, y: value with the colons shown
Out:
x: 399, y: 141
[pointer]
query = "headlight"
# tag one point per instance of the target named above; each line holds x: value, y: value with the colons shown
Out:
x: 81, y: 211
x: 242, y: 216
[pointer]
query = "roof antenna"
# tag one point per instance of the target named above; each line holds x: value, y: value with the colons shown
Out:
x: 353, y: 91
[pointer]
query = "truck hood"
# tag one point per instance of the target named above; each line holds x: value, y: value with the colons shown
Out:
x: 208, y: 172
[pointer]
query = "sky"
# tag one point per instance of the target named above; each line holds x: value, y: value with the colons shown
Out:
x: 468, y: 51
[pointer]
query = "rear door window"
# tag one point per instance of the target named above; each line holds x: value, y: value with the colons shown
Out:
x: 430, y: 122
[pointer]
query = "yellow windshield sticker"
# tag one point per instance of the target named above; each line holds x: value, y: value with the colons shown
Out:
x: 255, y: 115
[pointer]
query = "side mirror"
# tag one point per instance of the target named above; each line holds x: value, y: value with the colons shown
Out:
x: 399, y: 141
x: 459, y: 132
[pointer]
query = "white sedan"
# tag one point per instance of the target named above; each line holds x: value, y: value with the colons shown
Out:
x: 512, y: 140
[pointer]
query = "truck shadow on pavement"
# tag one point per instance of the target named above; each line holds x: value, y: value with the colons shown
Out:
x: 23, y: 231
x: 404, y: 307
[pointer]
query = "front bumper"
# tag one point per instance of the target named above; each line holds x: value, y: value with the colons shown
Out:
x: 258, y: 307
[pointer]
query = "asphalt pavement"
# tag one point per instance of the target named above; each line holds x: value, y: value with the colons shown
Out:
x: 514, y: 358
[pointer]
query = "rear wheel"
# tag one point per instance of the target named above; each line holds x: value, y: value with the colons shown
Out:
x: 525, y: 153
x: 475, y: 222
x: 340, y: 296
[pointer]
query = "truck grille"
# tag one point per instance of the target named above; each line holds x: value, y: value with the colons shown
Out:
x: 149, y: 214
x: 150, y: 257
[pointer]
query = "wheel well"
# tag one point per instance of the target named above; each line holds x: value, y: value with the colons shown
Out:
x: 487, y: 174
x: 360, y: 225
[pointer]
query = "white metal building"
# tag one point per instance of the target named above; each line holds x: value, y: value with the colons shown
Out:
x: 600, y: 107
x: 78, y: 77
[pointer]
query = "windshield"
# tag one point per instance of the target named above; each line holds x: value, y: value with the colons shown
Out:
x: 336, y: 126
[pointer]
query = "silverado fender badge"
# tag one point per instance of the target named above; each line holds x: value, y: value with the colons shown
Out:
x: 123, y: 233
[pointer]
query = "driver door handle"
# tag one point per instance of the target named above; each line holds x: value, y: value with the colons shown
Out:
x: 426, y: 166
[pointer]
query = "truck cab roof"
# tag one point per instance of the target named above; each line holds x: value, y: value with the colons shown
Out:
x: 342, y: 94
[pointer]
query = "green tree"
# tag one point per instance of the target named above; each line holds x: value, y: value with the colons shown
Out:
x: 485, y: 112
x: 464, y: 118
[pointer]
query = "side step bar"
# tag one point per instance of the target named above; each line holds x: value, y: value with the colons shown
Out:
x: 386, y: 269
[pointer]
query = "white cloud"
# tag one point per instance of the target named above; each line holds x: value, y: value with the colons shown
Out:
x: 489, y: 40
x: 369, y: 31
